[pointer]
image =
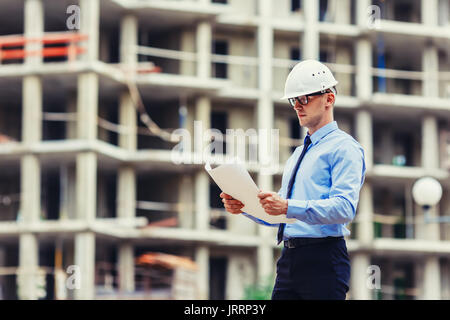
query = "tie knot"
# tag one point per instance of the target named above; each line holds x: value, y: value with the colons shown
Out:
x: 307, y: 141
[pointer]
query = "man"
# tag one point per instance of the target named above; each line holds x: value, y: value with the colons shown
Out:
x: 320, y: 188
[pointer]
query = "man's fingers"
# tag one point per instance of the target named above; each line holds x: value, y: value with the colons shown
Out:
x: 233, y: 206
x: 265, y: 201
x: 232, y: 202
x: 263, y: 195
x: 223, y: 195
x: 233, y: 209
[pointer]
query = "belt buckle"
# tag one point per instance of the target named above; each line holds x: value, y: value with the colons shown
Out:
x: 290, y: 244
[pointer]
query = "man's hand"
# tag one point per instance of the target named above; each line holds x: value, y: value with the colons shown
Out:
x: 231, y: 205
x: 272, y: 203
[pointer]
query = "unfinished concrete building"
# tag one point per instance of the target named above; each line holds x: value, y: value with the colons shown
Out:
x: 86, y: 188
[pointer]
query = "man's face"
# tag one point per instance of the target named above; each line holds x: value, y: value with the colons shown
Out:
x: 311, y: 114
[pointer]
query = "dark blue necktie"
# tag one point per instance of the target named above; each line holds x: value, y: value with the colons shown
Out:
x: 307, y: 142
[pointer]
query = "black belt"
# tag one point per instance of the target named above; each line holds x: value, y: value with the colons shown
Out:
x: 299, y: 242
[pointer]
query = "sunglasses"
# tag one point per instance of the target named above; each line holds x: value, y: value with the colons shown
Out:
x: 303, y: 100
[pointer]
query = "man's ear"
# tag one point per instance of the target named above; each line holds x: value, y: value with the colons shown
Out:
x: 331, y: 98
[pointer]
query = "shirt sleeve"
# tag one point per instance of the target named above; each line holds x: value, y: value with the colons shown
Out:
x: 347, y: 176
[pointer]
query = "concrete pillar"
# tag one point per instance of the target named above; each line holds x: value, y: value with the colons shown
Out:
x: 87, y: 106
x: 363, y: 54
x: 87, y: 112
x: 204, y: 40
x: 186, y: 199
x: 311, y: 38
x: 364, y: 84
x: 126, y: 178
x: 430, y: 65
x: 202, y: 117
x: 358, y: 282
x: 362, y: 13
x: 430, y: 12
x: 89, y: 24
x: 128, y: 119
x: 126, y: 195
x: 432, y: 279
x: 126, y: 192
x: 30, y: 187
x: 202, y: 261
x: 430, y: 57
x: 85, y: 260
x: 30, y: 190
x: 265, y: 119
x: 33, y: 28
x: 342, y: 11
x: 430, y: 142
x: 28, y: 267
x: 31, y: 109
x: 364, y: 134
x: 86, y: 182
x: 129, y: 40
x: 86, y: 162
x: 126, y: 267
x: 202, y: 114
x: 365, y: 215
x: 202, y: 201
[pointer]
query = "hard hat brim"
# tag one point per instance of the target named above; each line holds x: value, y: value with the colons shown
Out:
x: 303, y: 93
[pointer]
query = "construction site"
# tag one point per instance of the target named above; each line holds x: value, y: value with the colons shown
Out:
x: 92, y: 203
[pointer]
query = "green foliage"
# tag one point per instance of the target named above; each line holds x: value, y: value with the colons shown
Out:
x: 259, y: 291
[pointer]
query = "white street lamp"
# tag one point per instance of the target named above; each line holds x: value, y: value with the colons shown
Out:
x: 427, y: 192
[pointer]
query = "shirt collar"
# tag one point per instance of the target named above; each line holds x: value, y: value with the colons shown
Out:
x: 322, y: 132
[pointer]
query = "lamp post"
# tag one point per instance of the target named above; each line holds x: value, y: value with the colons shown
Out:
x: 427, y: 192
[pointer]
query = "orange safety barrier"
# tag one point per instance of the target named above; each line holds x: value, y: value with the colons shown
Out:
x: 46, y: 52
x: 8, y: 42
x: 154, y: 69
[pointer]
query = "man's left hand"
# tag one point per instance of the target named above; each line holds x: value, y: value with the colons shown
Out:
x: 272, y: 203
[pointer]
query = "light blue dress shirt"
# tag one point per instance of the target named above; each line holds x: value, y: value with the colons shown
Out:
x: 326, y: 190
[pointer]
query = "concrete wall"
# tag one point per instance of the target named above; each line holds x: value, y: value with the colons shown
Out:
x: 240, y: 44
x: 282, y: 50
x: 240, y: 7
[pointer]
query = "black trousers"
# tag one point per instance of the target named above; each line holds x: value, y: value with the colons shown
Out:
x: 313, y: 272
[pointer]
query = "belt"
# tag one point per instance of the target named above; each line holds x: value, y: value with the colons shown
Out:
x: 299, y: 242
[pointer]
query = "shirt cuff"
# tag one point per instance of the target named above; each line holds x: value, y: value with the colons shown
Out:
x: 296, y: 209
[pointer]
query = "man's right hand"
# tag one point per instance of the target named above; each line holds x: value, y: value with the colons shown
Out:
x: 231, y: 205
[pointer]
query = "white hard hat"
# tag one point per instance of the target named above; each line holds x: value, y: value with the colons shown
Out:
x: 307, y: 77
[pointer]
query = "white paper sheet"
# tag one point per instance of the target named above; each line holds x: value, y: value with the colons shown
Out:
x: 235, y: 180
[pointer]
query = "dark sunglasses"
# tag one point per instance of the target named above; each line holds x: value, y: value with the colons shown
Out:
x: 304, y: 99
